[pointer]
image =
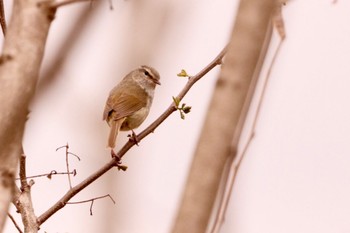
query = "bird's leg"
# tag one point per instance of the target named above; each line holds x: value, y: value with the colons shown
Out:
x: 133, y: 137
x: 114, y: 155
x: 118, y: 159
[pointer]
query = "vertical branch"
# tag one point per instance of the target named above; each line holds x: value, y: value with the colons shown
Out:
x: 23, y: 172
x: 50, y: 73
x: 2, y: 17
x: 67, y: 166
x: 223, y: 119
x: 24, y: 202
x: 20, y: 62
x: 277, y: 20
x: 67, y: 163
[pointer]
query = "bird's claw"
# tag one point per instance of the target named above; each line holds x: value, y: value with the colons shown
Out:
x: 115, y: 156
x: 133, y: 138
x: 118, y: 159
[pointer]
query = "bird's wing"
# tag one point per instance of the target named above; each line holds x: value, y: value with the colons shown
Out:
x: 124, y: 104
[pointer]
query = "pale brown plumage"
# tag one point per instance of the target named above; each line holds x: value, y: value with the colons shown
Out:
x: 129, y: 102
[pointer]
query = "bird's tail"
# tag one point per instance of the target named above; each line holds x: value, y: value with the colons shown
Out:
x: 113, y: 133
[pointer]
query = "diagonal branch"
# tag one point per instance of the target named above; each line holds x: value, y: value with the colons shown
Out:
x: 172, y: 108
x: 2, y: 17
x: 114, y: 162
x: 15, y: 223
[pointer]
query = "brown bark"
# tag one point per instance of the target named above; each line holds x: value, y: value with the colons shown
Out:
x: 223, y: 117
x: 19, y: 68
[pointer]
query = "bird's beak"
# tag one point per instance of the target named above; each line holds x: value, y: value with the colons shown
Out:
x: 156, y: 82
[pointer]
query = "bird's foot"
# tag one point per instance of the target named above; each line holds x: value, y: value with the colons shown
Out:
x: 118, y: 162
x: 133, y: 138
x: 115, y: 156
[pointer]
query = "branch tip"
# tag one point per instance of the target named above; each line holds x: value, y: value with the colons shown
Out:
x: 56, y: 4
x: 116, y: 157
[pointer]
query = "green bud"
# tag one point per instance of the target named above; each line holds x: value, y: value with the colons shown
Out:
x: 182, y: 115
x: 187, y: 109
x: 176, y: 101
x: 183, y: 73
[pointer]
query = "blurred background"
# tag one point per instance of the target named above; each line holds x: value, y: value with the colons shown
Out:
x: 295, y: 176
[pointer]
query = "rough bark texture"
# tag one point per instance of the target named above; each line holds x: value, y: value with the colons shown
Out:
x: 19, y: 68
x: 223, y: 115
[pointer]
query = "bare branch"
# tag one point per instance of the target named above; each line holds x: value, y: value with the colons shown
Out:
x: 111, y: 5
x: 236, y: 83
x: 50, y: 174
x: 115, y: 162
x: 67, y: 166
x: 22, y: 173
x: 56, y: 4
x: 2, y: 17
x: 20, y: 62
x: 23, y: 200
x: 92, y: 201
x: 192, y: 80
x: 67, y: 162
x: 15, y: 223
x: 50, y: 73
x: 76, y: 156
x: 277, y: 21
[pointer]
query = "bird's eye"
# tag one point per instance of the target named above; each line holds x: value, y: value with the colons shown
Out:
x: 146, y: 73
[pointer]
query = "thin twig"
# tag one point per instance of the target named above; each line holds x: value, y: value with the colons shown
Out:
x: 116, y: 161
x: 67, y: 162
x: 56, y: 4
x: 2, y: 17
x: 76, y: 156
x: 50, y: 174
x: 14, y: 223
x: 235, y: 165
x: 92, y: 201
x: 67, y: 166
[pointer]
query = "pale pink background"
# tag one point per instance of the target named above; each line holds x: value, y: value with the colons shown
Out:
x: 295, y: 176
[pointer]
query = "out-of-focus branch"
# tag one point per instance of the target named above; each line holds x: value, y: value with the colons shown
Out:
x: 231, y: 175
x: 56, y: 4
x: 50, y: 73
x: 224, y: 118
x: 2, y: 17
x: 20, y: 62
x: 115, y: 162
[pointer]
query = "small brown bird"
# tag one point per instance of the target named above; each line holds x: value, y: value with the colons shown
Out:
x: 130, y: 101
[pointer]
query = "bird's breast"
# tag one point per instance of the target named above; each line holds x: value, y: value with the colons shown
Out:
x: 135, y: 120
